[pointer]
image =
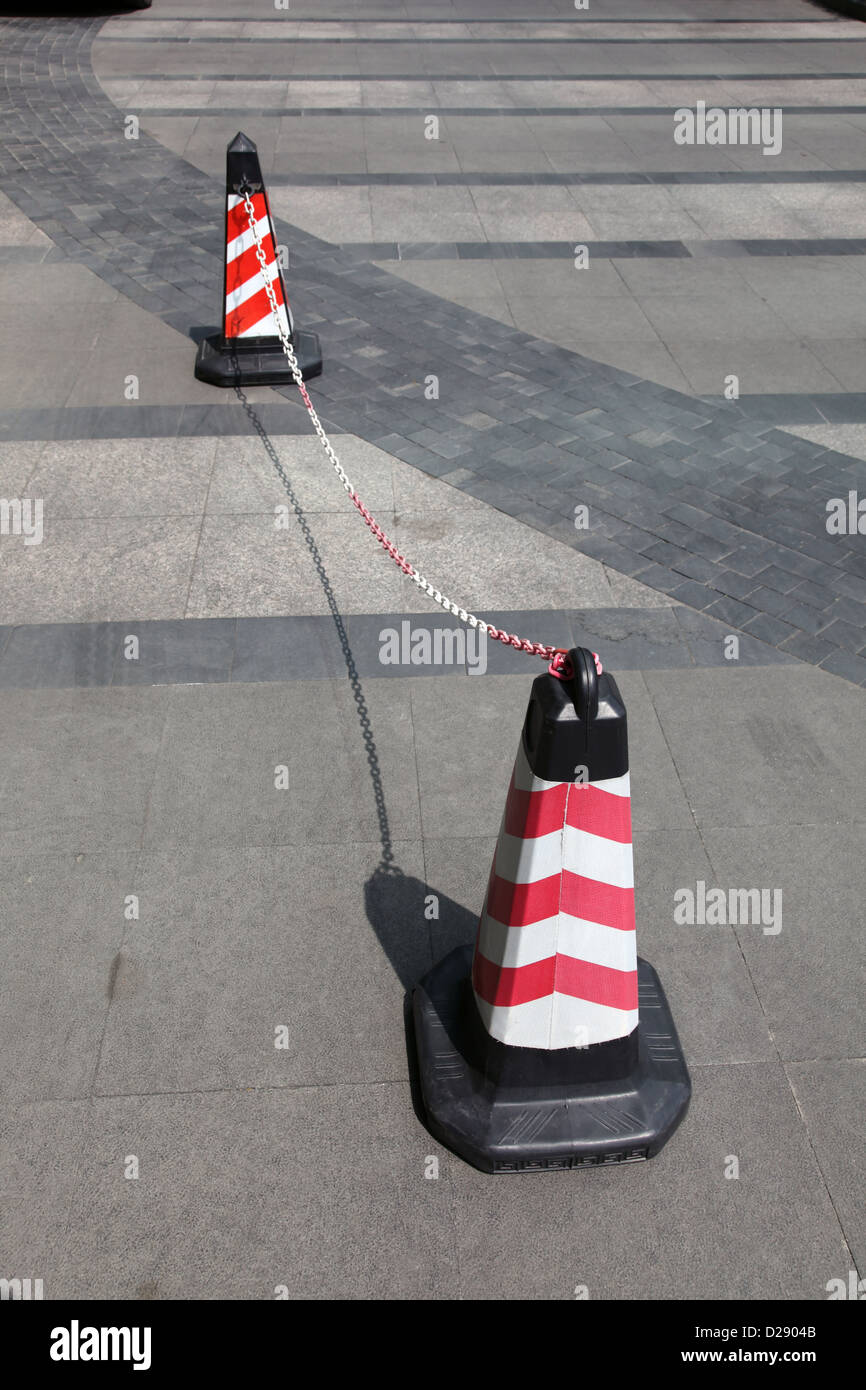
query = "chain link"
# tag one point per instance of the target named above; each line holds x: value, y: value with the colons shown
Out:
x: 540, y: 649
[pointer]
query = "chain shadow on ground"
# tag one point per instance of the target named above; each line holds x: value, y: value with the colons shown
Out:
x: 394, y: 902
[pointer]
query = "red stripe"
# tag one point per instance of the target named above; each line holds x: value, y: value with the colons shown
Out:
x: 250, y: 312
x: 529, y: 814
x: 597, y: 902
x: 599, y: 813
x: 598, y: 984
x: 502, y: 985
x: 243, y: 268
x: 505, y: 986
x: 521, y: 904
x: 237, y: 220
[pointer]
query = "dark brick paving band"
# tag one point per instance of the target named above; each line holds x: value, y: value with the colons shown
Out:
x: 134, y: 420
x: 547, y: 250
x: 606, y: 250
x: 137, y: 421
x: 184, y: 651
x: 696, y: 499
x: 509, y: 19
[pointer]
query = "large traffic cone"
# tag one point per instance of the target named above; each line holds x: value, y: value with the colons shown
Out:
x: 247, y: 351
x: 535, y: 1053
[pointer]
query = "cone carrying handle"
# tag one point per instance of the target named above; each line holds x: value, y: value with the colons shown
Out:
x: 583, y: 685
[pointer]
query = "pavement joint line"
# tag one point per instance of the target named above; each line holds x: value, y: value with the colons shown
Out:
x: 435, y: 40
x: 240, y: 1089
x: 576, y: 112
x: 404, y: 1081
x: 696, y: 452
x: 560, y: 77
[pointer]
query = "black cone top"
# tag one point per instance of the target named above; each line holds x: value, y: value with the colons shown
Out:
x: 578, y: 722
x: 242, y: 166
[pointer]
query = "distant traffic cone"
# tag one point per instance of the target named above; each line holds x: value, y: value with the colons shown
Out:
x: 532, y: 1053
x: 247, y: 350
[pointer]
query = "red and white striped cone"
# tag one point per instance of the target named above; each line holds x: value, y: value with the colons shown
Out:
x: 247, y: 349
x: 537, y: 1055
x: 555, y: 961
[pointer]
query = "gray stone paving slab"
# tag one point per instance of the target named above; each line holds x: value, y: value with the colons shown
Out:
x: 100, y: 569
x: 114, y: 478
x: 678, y: 1229
x: 319, y: 1226
x: 245, y: 564
x: 784, y: 738
x: 831, y: 1096
x: 449, y: 754
x: 211, y: 785
x: 817, y: 957
x: 717, y: 1008
x: 107, y: 745
x: 41, y: 1152
x: 65, y: 915
x: 244, y: 478
x: 282, y: 956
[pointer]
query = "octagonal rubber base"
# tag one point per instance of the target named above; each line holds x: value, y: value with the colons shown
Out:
x: 509, y: 1110
x: 251, y: 364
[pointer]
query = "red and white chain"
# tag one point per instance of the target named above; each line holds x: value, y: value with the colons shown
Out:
x: 554, y: 655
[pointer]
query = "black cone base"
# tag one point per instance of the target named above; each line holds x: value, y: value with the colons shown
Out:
x: 263, y: 364
x: 530, y: 1123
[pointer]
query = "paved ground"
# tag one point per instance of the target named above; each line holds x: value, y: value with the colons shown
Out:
x: 153, y: 1035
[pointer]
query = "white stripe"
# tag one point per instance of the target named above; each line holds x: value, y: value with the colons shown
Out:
x: 265, y: 326
x: 578, y: 1023
x: 592, y: 856
x: 617, y: 786
x: 607, y: 861
x: 513, y: 947
x: 596, y: 944
x: 528, y: 861
x: 519, y: 1025
x: 555, y: 1022
x: 250, y: 287
x: 246, y: 239
x: 516, y: 946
